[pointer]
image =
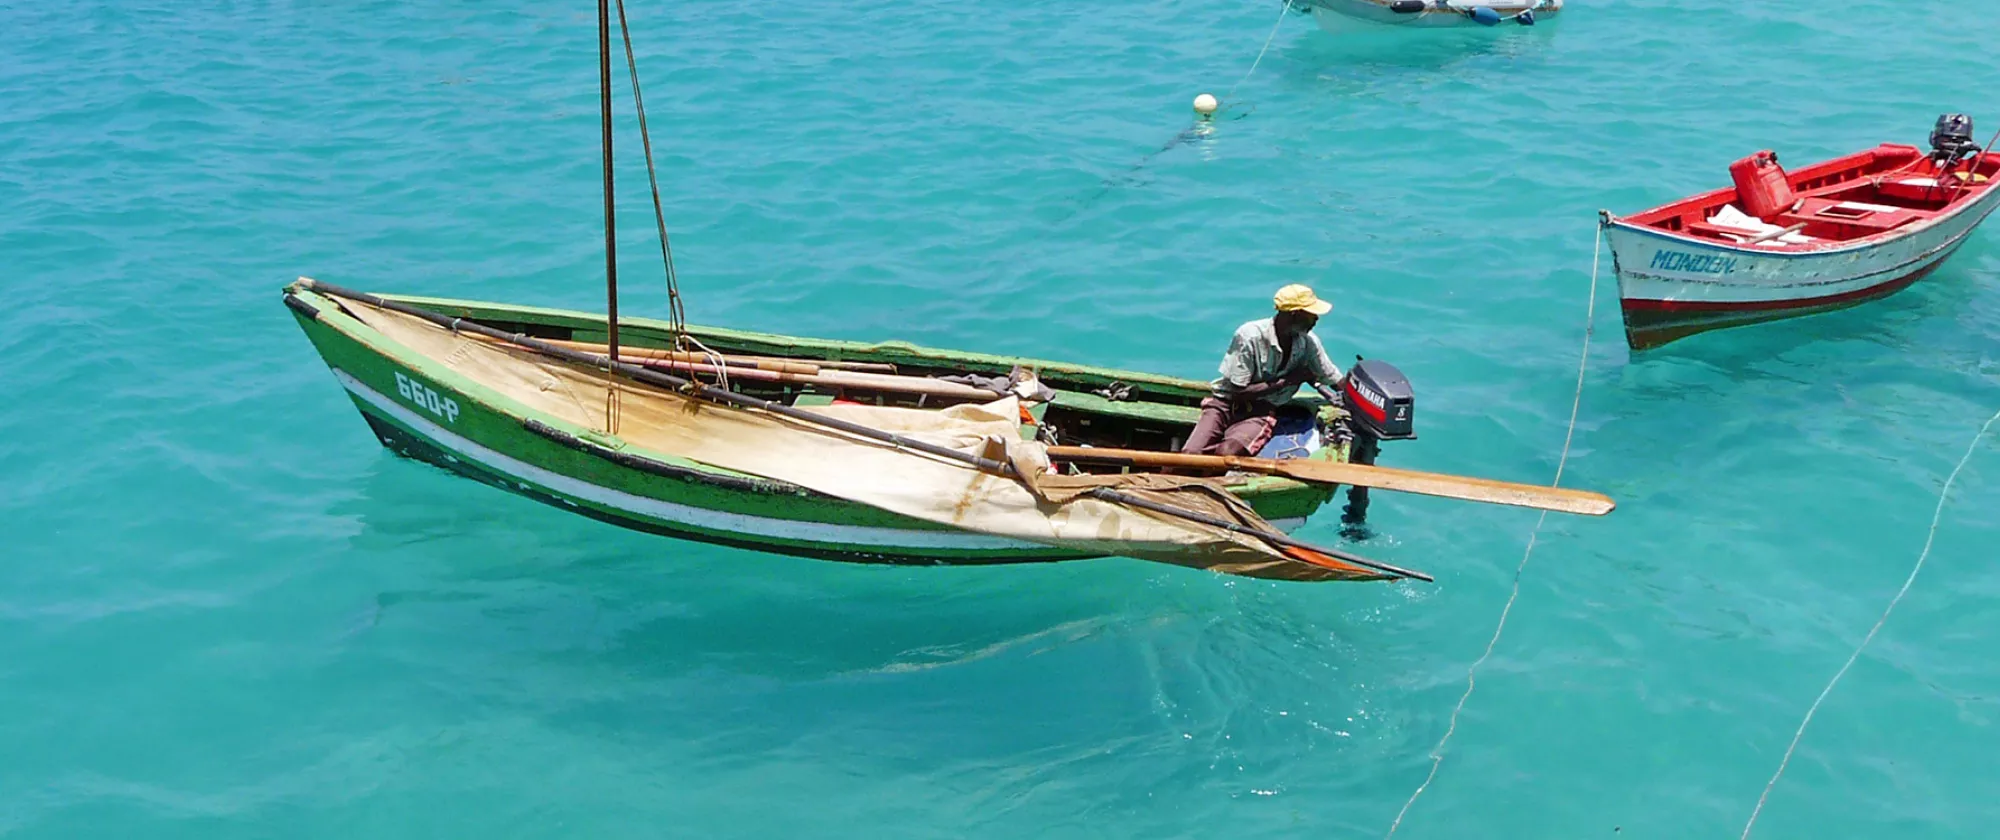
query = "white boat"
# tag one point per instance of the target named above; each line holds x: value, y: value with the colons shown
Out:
x: 1347, y: 15
x: 1777, y: 245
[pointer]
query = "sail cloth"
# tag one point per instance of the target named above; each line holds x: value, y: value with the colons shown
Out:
x: 1046, y: 509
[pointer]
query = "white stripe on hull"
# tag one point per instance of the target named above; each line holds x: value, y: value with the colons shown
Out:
x: 713, y: 520
x: 745, y: 525
x: 1662, y: 267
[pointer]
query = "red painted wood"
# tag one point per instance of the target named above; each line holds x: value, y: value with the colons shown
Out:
x: 1867, y: 177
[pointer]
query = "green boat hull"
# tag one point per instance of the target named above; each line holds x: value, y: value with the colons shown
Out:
x: 420, y: 408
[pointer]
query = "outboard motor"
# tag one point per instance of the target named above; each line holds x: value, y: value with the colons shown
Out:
x: 1951, y: 140
x: 1379, y: 398
x: 1380, y: 406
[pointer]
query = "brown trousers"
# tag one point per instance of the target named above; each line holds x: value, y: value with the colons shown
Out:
x: 1231, y: 428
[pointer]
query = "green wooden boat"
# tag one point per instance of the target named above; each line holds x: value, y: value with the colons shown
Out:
x: 744, y: 443
x: 420, y: 407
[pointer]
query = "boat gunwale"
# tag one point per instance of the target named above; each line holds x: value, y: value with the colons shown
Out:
x: 323, y: 306
x: 1182, y: 387
x: 381, y: 344
x: 1874, y: 240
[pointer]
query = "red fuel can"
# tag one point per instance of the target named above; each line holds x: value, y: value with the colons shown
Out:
x: 1761, y: 185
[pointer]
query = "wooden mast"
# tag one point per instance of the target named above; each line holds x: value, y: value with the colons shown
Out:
x: 610, y: 214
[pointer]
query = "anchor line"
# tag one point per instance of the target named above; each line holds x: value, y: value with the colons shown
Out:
x: 1193, y: 129
x: 1930, y: 538
x: 1284, y: 8
x: 1472, y: 673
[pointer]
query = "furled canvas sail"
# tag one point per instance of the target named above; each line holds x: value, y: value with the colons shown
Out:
x: 1045, y: 509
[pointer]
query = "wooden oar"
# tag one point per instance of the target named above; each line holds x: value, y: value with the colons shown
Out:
x: 855, y: 380
x: 1559, y: 499
x: 759, y: 362
x: 1774, y: 234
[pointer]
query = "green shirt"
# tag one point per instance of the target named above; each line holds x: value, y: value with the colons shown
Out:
x: 1254, y: 356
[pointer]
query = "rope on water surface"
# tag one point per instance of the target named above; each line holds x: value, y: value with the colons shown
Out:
x: 1283, y: 9
x: 1194, y: 129
x: 1472, y: 674
x: 1936, y: 516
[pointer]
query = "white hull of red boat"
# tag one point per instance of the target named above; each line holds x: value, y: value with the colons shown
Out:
x: 1347, y: 15
x: 1674, y: 286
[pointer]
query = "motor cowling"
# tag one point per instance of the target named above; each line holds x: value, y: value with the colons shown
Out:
x: 1951, y: 138
x: 1379, y: 400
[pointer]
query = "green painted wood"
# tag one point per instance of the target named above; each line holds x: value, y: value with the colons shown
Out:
x: 647, y: 332
x: 491, y: 420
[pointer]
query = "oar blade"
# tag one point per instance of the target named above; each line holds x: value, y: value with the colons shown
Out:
x: 1557, y: 499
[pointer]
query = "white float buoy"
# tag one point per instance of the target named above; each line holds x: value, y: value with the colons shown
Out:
x: 1205, y: 105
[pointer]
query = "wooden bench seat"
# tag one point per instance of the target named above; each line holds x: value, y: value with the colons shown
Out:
x: 1820, y: 211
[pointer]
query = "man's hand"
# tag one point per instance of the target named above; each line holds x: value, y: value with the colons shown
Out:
x: 1283, y: 385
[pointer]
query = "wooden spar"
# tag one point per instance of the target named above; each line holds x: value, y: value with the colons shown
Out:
x: 763, y: 362
x: 651, y: 354
x: 857, y: 380
x: 1559, y: 499
x: 610, y: 213
x: 840, y: 380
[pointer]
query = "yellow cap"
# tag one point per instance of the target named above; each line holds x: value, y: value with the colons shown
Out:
x: 1296, y: 297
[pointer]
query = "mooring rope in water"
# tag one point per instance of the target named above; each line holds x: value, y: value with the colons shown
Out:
x: 1472, y: 674
x: 1284, y: 8
x: 1194, y: 129
x: 1936, y: 516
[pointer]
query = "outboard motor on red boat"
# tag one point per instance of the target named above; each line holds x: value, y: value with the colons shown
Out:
x: 1952, y: 141
x: 1380, y: 406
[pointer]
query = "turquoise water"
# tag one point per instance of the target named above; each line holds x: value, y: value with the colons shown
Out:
x: 226, y: 612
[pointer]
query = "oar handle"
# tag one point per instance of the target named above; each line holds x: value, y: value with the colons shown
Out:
x: 1774, y: 234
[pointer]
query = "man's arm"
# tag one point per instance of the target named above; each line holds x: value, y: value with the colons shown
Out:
x: 1324, y: 371
x: 1236, y: 363
x: 1282, y: 385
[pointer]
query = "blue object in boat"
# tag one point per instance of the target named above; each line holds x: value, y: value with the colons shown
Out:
x: 1485, y: 15
x: 1296, y: 435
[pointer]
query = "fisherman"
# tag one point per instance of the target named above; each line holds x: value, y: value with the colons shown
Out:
x: 1268, y: 359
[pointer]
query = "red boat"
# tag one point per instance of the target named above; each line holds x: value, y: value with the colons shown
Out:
x: 1779, y: 245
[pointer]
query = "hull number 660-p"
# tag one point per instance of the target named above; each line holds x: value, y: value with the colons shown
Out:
x: 427, y: 399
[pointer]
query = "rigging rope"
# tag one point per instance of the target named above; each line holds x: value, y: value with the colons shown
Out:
x: 1471, y: 674
x: 1936, y: 516
x: 676, y: 316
